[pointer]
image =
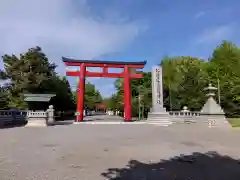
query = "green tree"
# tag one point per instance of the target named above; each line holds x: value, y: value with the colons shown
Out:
x: 91, y: 96
x: 3, y: 91
x: 64, y: 99
x: 224, y: 66
x: 28, y: 74
x: 184, y: 79
x: 139, y: 87
x: 110, y: 102
x: 32, y: 73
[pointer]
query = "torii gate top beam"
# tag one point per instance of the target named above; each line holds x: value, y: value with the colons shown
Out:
x: 99, y: 63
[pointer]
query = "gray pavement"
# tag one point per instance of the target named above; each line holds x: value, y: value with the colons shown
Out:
x: 95, y: 152
x: 105, y: 118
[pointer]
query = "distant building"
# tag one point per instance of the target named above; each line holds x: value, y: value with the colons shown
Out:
x: 100, y: 107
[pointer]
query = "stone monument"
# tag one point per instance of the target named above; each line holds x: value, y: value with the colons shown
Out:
x: 212, y: 111
x: 158, y: 114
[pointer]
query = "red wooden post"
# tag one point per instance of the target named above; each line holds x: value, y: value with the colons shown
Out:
x: 81, y: 92
x: 127, y: 94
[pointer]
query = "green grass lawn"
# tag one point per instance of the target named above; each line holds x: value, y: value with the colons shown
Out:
x: 235, y: 122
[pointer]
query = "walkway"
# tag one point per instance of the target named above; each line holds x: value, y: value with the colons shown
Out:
x: 104, y: 118
x: 128, y: 152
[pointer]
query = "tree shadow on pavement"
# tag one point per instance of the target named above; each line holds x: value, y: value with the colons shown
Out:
x: 197, y: 166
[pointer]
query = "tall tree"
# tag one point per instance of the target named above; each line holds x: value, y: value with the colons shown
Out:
x: 63, y: 100
x: 91, y: 96
x: 111, y: 102
x: 184, y: 79
x: 33, y: 73
x: 3, y: 91
x: 141, y: 93
x: 224, y: 68
x: 28, y: 74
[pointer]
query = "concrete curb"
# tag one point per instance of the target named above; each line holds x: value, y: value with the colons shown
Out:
x: 132, y: 123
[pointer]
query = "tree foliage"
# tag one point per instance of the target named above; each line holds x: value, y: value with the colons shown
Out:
x: 63, y: 100
x: 3, y: 91
x: 32, y: 73
x: 185, y: 77
x: 224, y: 66
x: 91, y: 96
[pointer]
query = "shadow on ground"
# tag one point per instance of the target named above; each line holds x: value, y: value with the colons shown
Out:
x: 59, y: 123
x: 13, y: 125
x: 198, y: 166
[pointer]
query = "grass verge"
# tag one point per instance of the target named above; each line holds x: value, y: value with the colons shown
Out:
x: 235, y: 122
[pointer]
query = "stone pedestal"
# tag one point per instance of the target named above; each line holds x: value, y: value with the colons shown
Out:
x: 36, y: 122
x: 212, y: 114
x: 159, y: 118
x: 158, y: 114
x: 41, y: 118
x: 215, y: 120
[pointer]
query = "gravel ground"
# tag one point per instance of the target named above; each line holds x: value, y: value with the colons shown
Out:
x: 86, y: 152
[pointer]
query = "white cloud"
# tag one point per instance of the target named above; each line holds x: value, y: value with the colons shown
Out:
x: 216, y: 34
x: 61, y: 28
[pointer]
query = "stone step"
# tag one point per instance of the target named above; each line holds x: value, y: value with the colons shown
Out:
x: 36, y: 123
x: 159, y: 119
x: 176, y: 119
x: 160, y: 123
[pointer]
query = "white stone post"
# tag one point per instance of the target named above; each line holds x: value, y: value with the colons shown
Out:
x: 50, y: 115
x: 158, y: 114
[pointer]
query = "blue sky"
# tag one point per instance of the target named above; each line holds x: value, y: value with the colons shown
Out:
x: 117, y: 29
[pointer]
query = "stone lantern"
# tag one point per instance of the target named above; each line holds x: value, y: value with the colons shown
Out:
x: 212, y: 111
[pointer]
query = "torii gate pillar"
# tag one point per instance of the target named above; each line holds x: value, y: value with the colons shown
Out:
x: 81, y: 92
x: 127, y: 95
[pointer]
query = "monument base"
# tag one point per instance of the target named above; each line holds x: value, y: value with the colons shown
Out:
x: 36, y: 123
x: 159, y: 118
x: 215, y: 120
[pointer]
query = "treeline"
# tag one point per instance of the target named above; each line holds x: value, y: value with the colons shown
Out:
x: 184, y: 79
x: 32, y: 73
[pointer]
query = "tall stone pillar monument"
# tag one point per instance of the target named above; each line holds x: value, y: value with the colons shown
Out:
x: 158, y: 114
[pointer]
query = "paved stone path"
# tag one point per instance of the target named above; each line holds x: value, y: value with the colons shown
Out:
x: 86, y: 152
x: 105, y: 118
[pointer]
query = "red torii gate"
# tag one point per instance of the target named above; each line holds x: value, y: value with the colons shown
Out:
x: 83, y: 73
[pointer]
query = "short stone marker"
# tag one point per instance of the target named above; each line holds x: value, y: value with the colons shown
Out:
x: 50, y: 116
